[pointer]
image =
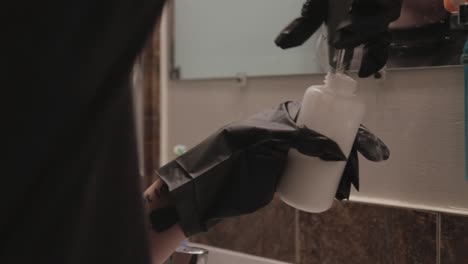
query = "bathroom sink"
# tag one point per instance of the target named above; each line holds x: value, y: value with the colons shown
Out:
x: 223, y: 256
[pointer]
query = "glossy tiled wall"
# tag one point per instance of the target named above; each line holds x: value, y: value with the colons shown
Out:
x: 348, y: 233
x: 268, y: 233
x: 453, y: 239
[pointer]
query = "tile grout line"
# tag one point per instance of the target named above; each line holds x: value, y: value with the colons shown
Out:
x: 297, y: 240
x: 438, y: 237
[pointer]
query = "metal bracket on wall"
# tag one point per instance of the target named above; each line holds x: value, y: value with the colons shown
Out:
x: 175, y: 73
x: 241, y: 79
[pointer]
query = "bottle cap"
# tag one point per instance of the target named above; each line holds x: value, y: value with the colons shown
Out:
x: 449, y: 6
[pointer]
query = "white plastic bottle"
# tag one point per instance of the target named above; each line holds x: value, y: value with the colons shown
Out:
x: 332, y: 109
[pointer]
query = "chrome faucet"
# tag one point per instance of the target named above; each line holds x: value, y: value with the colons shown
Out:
x: 188, y: 255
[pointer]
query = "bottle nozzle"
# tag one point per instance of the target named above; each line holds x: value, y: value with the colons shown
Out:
x: 342, y: 61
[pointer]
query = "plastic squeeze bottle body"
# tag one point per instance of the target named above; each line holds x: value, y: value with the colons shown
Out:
x: 332, y: 109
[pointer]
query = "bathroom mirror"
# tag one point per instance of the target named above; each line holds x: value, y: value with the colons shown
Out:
x: 223, y: 39
x: 426, y: 35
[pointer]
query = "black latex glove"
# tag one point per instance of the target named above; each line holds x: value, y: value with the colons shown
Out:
x: 350, y: 23
x: 372, y: 148
x: 236, y: 170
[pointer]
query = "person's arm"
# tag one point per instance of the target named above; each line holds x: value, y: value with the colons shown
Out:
x: 163, y: 243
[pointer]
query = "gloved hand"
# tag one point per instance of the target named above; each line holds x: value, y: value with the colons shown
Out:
x: 236, y: 170
x: 366, y: 23
x: 372, y: 148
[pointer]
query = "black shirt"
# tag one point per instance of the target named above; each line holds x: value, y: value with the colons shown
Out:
x: 70, y: 191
